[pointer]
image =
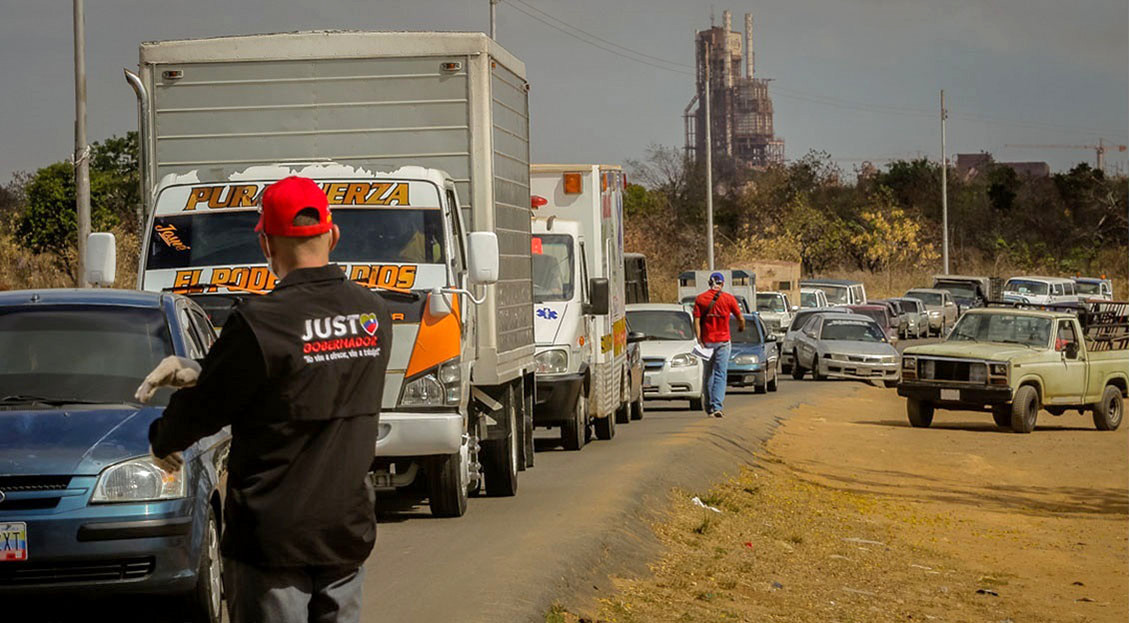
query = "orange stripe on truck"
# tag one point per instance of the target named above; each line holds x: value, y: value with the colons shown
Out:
x: 437, y: 341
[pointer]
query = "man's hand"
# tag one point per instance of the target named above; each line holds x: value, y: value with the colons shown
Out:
x: 171, y: 372
x: 171, y: 463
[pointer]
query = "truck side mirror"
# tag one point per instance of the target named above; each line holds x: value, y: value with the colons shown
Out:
x: 482, y: 257
x: 598, y: 297
x: 101, y: 259
x: 438, y: 305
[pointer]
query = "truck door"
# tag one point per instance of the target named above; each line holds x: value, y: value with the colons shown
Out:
x: 592, y: 341
x: 1073, y: 384
x: 457, y: 262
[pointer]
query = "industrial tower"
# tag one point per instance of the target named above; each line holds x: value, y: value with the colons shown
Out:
x: 741, y: 113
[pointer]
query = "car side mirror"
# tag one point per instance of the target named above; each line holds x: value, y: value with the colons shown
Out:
x: 101, y: 259
x: 794, y: 308
x: 635, y: 336
x: 598, y: 297
x: 482, y: 257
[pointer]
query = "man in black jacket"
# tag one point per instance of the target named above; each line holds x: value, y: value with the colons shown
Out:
x: 298, y: 374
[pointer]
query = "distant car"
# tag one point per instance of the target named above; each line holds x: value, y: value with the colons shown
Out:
x: 918, y: 320
x: 84, y: 509
x: 812, y: 297
x: 839, y: 291
x: 968, y: 292
x: 1041, y: 291
x: 753, y: 355
x: 896, y: 311
x: 882, y: 316
x: 788, y: 343
x: 1090, y: 288
x: 847, y: 346
x: 775, y: 311
x: 940, y: 307
x: 670, y: 371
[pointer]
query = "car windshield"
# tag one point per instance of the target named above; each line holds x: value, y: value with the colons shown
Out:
x: 1082, y: 287
x: 395, y: 235
x: 750, y: 336
x: 1024, y: 286
x: 929, y: 298
x: 553, y: 267
x: 661, y: 324
x: 83, y: 353
x: 962, y: 291
x: 809, y: 299
x: 769, y: 302
x: 837, y: 295
x: 1003, y: 328
x: 851, y: 331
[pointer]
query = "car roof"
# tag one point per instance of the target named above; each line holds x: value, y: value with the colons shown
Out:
x: 930, y: 290
x: 655, y: 307
x: 1039, y: 278
x: 835, y: 282
x: 84, y: 296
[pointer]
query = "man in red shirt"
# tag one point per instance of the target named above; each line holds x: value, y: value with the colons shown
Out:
x: 712, y: 311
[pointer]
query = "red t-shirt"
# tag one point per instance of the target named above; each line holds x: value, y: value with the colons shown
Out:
x: 716, y: 325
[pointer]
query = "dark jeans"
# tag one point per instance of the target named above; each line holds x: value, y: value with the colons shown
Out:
x: 292, y: 595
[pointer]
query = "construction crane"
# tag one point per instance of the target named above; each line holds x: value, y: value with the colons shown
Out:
x: 1100, y: 150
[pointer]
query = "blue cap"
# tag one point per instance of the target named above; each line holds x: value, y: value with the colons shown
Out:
x: 717, y: 277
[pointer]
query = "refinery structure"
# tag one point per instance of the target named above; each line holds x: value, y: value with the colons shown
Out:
x: 741, y: 113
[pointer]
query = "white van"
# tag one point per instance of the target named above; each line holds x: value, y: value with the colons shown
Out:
x: 1041, y: 290
x: 840, y: 292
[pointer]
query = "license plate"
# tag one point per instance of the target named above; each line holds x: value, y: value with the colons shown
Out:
x: 649, y: 380
x: 951, y: 394
x: 13, y: 541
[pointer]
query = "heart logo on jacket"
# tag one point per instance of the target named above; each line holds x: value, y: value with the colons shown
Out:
x: 369, y: 323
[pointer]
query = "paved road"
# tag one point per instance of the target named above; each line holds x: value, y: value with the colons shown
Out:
x: 577, y: 517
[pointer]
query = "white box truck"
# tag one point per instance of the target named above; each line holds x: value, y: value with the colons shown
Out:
x: 580, y: 327
x: 420, y: 141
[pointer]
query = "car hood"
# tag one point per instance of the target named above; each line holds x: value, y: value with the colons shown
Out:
x: 973, y: 350
x: 858, y: 348
x: 665, y: 348
x: 76, y: 441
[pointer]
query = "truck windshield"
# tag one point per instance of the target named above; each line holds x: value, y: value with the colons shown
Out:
x: 82, y: 353
x: 662, y: 324
x: 553, y: 267
x: 1082, y: 287
x: 394, y: 235
x: 770, y: 302
x: 929, y: 298
x: 960, y: 291
x: 1024, y: 286
x: 1003, y: 328
x: 809, y: 299
x: 851, y: 331
x: 837, y: 295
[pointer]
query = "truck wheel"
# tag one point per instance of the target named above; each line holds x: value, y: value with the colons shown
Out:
x: 500, y: 456
x: 1002, y: 416
x: 696, y: 404
x: 1108, y: 411
x: 1025, y: 406
x: 797, y: 371
x: 204, y: 601
x: 605, y: 427
x: 573, y: 430
x: 622, y: 414
x: 919, y: 412
x: 447, y: 493
x: 637, y: 408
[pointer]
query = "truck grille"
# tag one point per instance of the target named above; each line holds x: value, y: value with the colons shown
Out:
x: 949, y: 370
x: 77, y: 571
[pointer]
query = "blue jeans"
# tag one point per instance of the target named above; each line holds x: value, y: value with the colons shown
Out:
x: 714, y: 376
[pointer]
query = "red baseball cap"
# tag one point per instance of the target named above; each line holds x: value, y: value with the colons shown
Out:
x: 283, y: 200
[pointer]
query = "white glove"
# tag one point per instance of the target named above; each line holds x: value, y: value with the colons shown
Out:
x: 171, y: 372
x: 170, y: 463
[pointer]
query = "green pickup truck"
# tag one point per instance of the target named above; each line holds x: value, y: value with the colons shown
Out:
x: 1014, y: 361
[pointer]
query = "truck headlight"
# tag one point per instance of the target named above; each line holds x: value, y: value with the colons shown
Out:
x: 554, y: 361
x: 998, y: 369
x: 978, y: 373
x: 440, y: 387
x: 908, y: 363
x: 747, y: 360
x: 682, y: 360
x: 138, y: 480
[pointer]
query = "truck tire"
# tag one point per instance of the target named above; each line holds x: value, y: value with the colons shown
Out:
x: 528, y: 421
x: 204, y: 600
x: 605, y: 427
x: 447, y: 494
x: 1108, y: 411
x: 920, y: 413
x: 696, y: 404
x: 637, y: 408
x: 622, y: 414
x: 797, y: 371
x: 573, y: 430
x: 1025, y: 407
x: 500, y: 456
x: 1002, y: 416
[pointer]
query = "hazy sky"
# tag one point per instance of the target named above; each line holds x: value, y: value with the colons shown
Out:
x: 856, y: 78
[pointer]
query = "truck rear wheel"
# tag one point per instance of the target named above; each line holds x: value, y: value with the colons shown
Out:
x: 605, y: 427
x: 1108, y: 411
x: 447, y: 493
x: 920, y: 413
x: 1025, y: 407
x: 573, y: 430
x: 500, y: 456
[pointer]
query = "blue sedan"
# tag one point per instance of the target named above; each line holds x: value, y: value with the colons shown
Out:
x: 83, y: 508
x: 753, y: 356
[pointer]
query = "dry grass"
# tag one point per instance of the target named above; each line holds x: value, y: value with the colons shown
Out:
x: 20, y: 269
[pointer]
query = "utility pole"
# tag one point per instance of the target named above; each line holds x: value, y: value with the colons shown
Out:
x: 493, y: 27
x: 945, y: 205
x: 82, y: 160
x: 709, y: 168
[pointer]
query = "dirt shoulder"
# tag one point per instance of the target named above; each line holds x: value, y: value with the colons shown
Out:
x: 851, y: 515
